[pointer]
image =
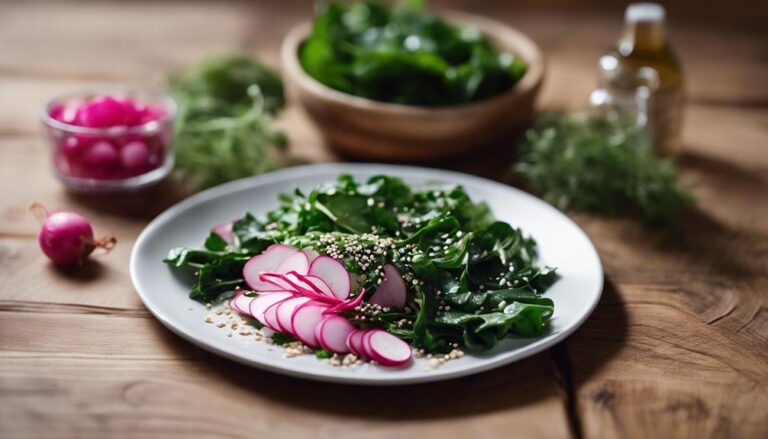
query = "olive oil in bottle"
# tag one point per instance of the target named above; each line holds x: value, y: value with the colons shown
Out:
x: 641, y: 78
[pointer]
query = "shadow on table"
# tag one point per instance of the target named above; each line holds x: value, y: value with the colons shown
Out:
x: 598, y: 340
x: 730, y: 249
x: 516, y: 385
x: 519, y: 384
x: 143, y: 204
x: 491, y: 161
x: 89, y: 271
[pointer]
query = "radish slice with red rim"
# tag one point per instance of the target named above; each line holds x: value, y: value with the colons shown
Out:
x: 314, y: 283
x: 391, y: 292
x: 304, y: 320
x: 297, y: 262
x: 285, y: 312
x: 266, y: 262
x: 364, y: 348
x: 270, y: 315
x: 241, y: 303
x: 224, y: 231
x: 387, y: 349
x: 332, y: 334
x: 260, y: 304
x: 333, y: 273
x: 355, y: 343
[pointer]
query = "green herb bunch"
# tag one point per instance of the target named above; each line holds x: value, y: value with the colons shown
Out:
x: 404, y: 55
x: 223, y: 128
x: 601, y: 164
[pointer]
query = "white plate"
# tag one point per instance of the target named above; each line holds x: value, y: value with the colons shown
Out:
x: 164, y: 292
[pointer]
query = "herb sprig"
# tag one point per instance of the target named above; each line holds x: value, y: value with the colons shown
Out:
x: 223, y: 131
x: 600, y: 164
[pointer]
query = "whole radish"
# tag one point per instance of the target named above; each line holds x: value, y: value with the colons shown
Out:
x: 67, y: 238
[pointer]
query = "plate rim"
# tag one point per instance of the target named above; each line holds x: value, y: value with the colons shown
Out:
x: 435, y: 375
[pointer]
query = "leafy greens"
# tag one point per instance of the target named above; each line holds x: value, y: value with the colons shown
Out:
x: 471, y: 280
x: 404, y: 55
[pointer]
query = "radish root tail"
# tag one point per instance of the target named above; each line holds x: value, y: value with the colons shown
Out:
x: 39, y: 211
x: 106, y: 242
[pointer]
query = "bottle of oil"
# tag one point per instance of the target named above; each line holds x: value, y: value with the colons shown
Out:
x: 641, y: 77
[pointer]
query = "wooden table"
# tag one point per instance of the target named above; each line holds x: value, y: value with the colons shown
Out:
x: 676, y: 348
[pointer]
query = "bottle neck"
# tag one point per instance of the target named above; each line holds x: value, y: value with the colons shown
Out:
x: 643, y: 37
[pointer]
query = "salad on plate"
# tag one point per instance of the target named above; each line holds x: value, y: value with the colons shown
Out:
x: 375, y: 270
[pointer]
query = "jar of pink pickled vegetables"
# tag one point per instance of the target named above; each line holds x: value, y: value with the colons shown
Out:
x: 113, y: 140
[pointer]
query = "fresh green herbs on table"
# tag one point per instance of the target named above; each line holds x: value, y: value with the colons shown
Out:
x: 470, y: 280
x: 223, y: 131
x: 601, y: 164
x: 404, y: 55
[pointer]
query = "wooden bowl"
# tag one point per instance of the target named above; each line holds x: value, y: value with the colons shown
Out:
x: 374, y: 130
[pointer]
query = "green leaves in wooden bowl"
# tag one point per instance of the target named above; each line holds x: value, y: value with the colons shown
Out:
x: 404, y: 55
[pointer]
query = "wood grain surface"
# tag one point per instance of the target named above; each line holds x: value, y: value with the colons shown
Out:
x: 677, y: 347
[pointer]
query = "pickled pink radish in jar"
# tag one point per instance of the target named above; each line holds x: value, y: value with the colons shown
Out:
x: 110, y: 141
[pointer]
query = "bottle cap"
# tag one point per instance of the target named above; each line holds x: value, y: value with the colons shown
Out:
x: 644, y: 12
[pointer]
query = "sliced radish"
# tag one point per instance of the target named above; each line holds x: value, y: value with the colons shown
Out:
x: 292, y: 282
x: 332, y: 333
x: 285, y: 312
x: 316, y: 332
x: 241, y: 303
x: 260, y: 304
x: 314, y: 283
x: 276, y: 282
x: 297, y: 262
x: 224, y: 231
x: 265, y: 263
x: 304, y: 320
x: 333, y: 273
x: 347, y: 304
x: 364, y: 346
x: 391, y: 292
x: 355, y: 343
x: 387, y: 349
x: 270, y: 315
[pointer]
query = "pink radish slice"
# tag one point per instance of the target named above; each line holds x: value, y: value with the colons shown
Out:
x: 276, y: 282
x: 270, y: 315
x: 333, y: 273
x: 297, y: 262
x: 265, y: 263
x: 388, y: 349
x: 241, y: 303
x: 364, y: 347
x: 224, y: 231
x: 260, y: 304
x: 355, y: 343
x: 392, y: 291
x: 332, y: 334
x: 348, y: 304
x: 285, y: 312
x: 233, y: 300
x: 304, y: 320
x: 315, y: 284
x: 316, y: 332
x: 289, y: 282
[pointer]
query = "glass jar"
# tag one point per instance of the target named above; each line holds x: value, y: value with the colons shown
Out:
x: 110, y: 158
x: 641, y: 78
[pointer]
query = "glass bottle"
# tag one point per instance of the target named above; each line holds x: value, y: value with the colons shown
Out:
x: 641, y: 78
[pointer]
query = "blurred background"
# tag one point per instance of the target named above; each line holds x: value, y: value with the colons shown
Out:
x: 47, y: 48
